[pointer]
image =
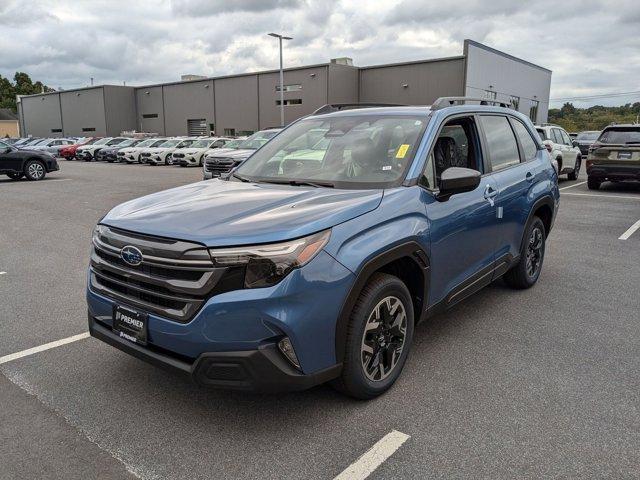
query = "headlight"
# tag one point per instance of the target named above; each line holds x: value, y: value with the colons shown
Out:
x: 266, y: 265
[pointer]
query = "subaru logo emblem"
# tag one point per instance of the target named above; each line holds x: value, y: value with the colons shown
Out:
x: 131, y: 255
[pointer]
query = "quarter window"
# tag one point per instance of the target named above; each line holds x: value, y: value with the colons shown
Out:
x: 503, y: 149
x: 529, y: 147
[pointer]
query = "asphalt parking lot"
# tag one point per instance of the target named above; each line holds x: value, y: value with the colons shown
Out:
x: 508, y: 384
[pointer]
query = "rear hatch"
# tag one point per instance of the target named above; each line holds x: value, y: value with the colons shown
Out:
x: 617, y: 144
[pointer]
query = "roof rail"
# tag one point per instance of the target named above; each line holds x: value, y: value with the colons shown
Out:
x: 336, y: 107
x: 443, y: 102
x: 546, y: 124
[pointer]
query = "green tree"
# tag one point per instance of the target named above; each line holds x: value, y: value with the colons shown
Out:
x: 22, y: 85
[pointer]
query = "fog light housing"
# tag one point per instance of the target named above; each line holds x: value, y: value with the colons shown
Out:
x: 287, y: 350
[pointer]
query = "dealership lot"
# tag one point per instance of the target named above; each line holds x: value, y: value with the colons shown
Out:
x: 508, y: 384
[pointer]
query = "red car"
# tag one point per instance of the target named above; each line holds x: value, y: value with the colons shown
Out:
x: 69, y: 152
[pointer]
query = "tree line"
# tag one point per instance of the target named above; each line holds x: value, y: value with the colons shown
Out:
x: 21, y: 85
x: 597, y: 117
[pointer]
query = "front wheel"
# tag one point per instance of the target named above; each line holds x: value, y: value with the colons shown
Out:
x: 379, y: 337
x: 576, y: 170
x: 526, y: 272
x: 34, y: 170
x: 15, y: 176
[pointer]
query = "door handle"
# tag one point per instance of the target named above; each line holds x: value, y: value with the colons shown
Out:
x: 490, y: 192
x: 529, y: 177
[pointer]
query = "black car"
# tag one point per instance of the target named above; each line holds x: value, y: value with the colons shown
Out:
x: 17, y: 163
x: 585, y: 139
x: 110, y: 154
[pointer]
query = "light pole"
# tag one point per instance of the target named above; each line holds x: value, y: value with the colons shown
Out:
x: 280, y: 38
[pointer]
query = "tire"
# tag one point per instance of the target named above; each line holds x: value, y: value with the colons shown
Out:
x: 363, y: 374
x: 526, y: 272
x: 15, y: 176
x: 576, y: 169
x: 593, y: 183
x: 34, y: 170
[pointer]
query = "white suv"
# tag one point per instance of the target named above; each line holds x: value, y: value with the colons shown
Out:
x: 192, y: 156
x: 561, y: 148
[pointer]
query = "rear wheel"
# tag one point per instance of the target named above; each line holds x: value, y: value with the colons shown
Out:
x: 15, y: 176
x: 576, y: 169
x: 379, y: 337
x: 34, y: 170
x: 526, y: 272
x: 593, y: 183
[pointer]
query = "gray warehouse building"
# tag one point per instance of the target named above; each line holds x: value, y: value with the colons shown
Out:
x: 242, y: 104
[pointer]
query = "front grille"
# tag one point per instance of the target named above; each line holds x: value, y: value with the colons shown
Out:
x: 145, y: 154
x: 121, y: 154
x: 219, y: 165
x: 178, y: 155
x: 174, y: 279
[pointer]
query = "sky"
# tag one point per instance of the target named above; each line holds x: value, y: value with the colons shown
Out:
x: 593, y: 47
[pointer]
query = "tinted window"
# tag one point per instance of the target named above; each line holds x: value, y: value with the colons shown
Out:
x: 529, y: 147
x: 620, y: 135
x: 542, y: 133
x: 565, y: 138
x: 588, y: 136
x: 503, y: 149
x: 557, y: 136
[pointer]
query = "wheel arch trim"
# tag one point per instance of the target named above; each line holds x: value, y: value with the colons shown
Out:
x: 412, y: 250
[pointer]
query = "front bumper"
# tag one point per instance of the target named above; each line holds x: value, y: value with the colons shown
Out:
x: 260, y: 370
x: 613, y: 171
x: 207, y: 175
x: 242, y: 327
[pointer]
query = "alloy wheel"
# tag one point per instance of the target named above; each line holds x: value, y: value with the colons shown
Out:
x: 383, y: 338
x: 534, y: 252
x: 36, y: 171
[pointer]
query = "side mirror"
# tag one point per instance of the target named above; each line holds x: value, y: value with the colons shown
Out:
x: 575, y: 143
x: 457, y: 180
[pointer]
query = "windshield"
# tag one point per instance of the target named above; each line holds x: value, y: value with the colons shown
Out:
x: 157, y: 143
x: 234, y: 144
x: 620, y: 135
x: 169, y: 143
x: 202, y: 144
x: 91, y: 142
x: 588, y: 136
x: 102, y: 141
x: 257, y: 140
x: 148, y: 142
x: 116, y: 141
x: 364, y: 151
x: 127, y: 143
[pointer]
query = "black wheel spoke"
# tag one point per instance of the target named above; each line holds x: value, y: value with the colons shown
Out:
x: 383, y: 338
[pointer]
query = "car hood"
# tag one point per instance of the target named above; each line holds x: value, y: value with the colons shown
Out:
x: 240, y: 153
x: 156, y: 149
x: 191, y: 151
x: 222, y: 213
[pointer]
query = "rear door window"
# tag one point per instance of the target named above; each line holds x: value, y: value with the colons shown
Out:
x: 529, y: 147
x: 565, y: 138
x: 501, y: 142
x: 557, y: 136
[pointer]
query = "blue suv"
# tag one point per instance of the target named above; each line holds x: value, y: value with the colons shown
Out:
x: 315, y: 259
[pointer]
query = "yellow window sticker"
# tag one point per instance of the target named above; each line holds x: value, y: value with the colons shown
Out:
x: 402, y: 150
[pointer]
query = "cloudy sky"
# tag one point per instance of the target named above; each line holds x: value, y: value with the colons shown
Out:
x: 593, y: 47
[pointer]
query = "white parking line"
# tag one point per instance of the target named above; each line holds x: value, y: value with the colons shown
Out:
x: 42, y: 348
x: 628, y: 197
x: 630, y: 231
x: 374, y: 457
x: 574, y: 185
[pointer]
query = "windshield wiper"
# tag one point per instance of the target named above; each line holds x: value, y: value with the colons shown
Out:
x: 240, y: 177
x: 297, y: 183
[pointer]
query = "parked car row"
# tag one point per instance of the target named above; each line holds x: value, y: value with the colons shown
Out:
x: 612, y: 154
